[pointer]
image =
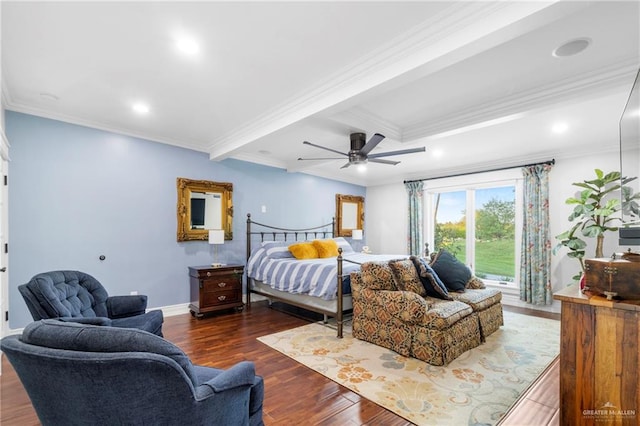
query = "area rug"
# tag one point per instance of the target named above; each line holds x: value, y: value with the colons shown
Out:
x: 475, y: 389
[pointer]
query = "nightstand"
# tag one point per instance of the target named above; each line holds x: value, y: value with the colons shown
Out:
x: 215, y: 288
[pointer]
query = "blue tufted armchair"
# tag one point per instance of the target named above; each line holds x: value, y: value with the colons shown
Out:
x: 78, y: 297
x: 79, y: 374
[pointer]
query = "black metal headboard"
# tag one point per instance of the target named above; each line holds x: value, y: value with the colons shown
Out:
x: 275, y: 233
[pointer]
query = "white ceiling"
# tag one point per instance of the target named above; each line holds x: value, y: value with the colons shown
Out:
x: 474, y: 82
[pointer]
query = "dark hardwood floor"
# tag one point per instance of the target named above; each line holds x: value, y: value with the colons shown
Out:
x: 303, y: 396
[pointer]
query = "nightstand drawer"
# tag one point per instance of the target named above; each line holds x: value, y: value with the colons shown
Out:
x: 214, y: 273
x: 220, y: 283
x: 220, y: 297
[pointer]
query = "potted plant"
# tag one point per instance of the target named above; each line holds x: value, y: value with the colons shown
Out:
x: 594, y: 214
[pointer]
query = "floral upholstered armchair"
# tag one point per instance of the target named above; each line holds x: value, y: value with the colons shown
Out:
x: 391, y: 309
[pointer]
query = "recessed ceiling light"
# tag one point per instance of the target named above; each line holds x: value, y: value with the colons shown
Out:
x: 572, y: 47
x: 187, y: 46
x: 559, y: 128
x: 437, y: 153
x: 141, y: 108
x: 362, y: 168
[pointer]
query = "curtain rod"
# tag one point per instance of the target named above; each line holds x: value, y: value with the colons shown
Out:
x: 549, y: 162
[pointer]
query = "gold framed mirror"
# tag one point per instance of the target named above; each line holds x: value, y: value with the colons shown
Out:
x: 349, y: 214
x: 204, y: 205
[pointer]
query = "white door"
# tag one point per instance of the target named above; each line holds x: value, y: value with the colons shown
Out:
x: 4, y: 238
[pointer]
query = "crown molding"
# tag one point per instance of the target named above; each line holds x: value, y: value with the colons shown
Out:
x: 52, y: 115
x: 575, y: 87
x: 454, y: 27
x: 516, y: 161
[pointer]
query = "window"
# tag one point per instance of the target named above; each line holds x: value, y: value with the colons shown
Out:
x: 481, y: 225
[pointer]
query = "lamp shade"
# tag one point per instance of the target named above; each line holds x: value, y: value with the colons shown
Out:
x: 216, y: 236
x: 356, y: 234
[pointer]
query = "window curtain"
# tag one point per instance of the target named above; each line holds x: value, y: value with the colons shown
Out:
x: 535, y: 264
x: 414, y: 242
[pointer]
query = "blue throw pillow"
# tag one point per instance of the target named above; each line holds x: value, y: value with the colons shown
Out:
x: 453, y: 273
x: 430, y: 280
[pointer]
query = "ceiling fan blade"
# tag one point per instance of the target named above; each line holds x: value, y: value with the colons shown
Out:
x: 373, y: 142
x: 325, y: 148
x: 377, y: 160
x: 324, y: 158
x: 345, y: 166
x: 400, y: 152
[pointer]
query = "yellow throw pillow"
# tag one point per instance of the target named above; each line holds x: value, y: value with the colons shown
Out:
x: 303, y: 251
x: 326, y: 248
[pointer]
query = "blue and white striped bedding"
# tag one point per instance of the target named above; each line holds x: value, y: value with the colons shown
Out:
x: 273, y: 264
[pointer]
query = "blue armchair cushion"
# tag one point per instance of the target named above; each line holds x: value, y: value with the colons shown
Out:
x: 90, y: 321
x: 151, y: 322
x: 69, y: 294
x: 80, y: 337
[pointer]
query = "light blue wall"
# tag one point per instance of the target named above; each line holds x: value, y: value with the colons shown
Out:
x: 76, y: 193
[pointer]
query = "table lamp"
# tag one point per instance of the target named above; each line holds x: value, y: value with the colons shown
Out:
x: 356, y: 235
x: 216, y: 237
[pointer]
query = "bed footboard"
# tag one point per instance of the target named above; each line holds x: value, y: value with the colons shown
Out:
x: 272, y: 233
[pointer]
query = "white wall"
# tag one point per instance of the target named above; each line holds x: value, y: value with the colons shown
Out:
x: 385, y: 219
x: 386, y: 212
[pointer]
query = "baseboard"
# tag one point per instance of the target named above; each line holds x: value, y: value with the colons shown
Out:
x: 183, y: 308
x: 513, y: 300
x: 173, y: 310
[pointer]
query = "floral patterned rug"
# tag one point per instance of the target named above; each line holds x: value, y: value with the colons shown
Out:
x: 475, y: 389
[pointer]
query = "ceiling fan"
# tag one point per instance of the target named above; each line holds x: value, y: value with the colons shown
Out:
x: 359, y: 153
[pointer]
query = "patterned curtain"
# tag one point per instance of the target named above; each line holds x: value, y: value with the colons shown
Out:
x: 414, y: 242
x: 535, y: 262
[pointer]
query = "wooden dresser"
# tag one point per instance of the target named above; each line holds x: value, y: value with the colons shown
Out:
x: 215, y: 288
x: 599, y: 360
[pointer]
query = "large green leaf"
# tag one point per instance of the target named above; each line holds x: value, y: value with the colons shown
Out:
x: 592, y: 231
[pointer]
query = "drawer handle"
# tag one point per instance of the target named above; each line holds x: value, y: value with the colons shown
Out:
x: 208, y: 273
x: 223, y: 284
x: 221, y: 298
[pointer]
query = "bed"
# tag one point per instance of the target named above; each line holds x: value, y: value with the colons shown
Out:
x: 318, y: 285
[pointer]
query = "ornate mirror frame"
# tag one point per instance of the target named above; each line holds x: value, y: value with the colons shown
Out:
x: 185, y: 188
x: 349, y: 214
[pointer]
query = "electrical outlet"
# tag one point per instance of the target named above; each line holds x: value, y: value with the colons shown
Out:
x: 133, y: 293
